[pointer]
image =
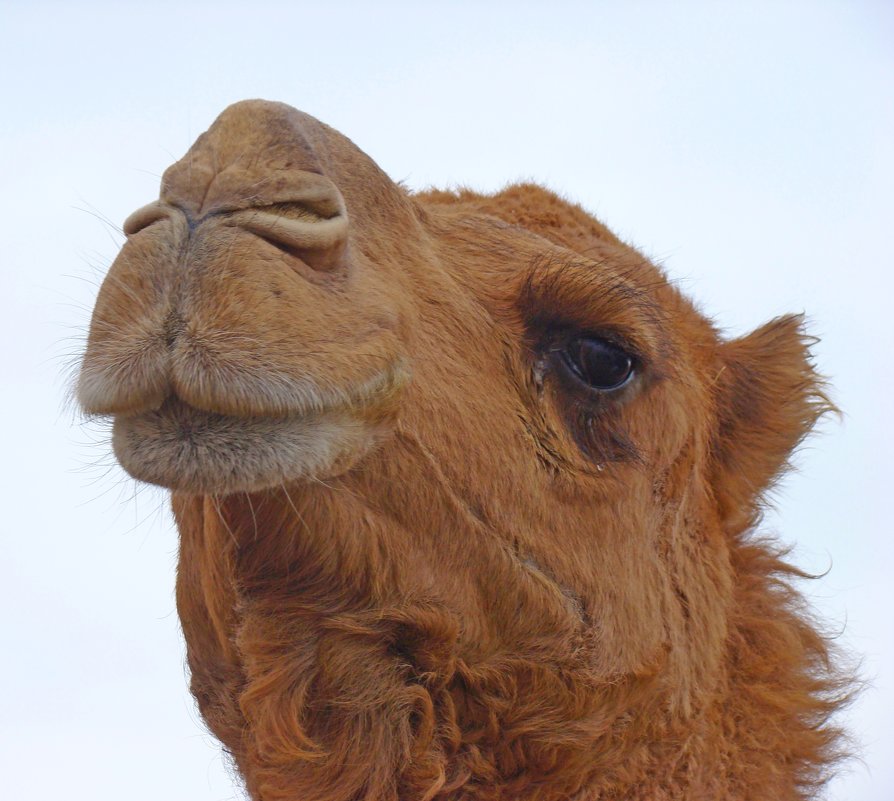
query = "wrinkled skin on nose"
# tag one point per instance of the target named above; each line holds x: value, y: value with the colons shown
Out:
x: 245, y: 292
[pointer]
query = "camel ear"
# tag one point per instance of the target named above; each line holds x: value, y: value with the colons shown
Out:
x: 769, y: 398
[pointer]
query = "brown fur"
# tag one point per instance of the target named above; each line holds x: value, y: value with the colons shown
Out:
x: 420, y: 561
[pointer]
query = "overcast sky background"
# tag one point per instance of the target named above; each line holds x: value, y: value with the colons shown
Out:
x: 749, y: 148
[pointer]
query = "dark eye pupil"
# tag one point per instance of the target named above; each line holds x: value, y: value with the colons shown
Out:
x: 599, y: 363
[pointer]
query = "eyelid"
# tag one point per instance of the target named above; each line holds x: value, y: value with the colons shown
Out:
x: 572, y: 297
x: 563, y: 334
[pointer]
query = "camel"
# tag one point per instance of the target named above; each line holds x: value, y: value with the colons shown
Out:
x: 467, y: 491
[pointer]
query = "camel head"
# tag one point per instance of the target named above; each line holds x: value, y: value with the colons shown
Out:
x: 464, y: 485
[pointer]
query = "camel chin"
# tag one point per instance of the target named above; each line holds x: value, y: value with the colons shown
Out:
x: 190, y: 450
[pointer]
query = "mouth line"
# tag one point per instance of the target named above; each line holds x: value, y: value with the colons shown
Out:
x: 175, y: 409
x: 285, y: 431
x: 185, y: 447
x: 194, y: 431
x: 188, y: 449
x: 242, y: 396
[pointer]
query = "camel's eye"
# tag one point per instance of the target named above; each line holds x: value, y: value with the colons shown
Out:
x: 599, y: 363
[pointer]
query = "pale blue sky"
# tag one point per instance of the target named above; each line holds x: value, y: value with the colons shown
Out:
x: 746, y: 146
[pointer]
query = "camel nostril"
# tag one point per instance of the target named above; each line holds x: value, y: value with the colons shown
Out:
x: 146, y: 216
x: 300, y: 230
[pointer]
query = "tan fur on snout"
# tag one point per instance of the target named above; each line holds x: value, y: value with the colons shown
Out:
x: 466, y: 489
x: 239, y: 297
